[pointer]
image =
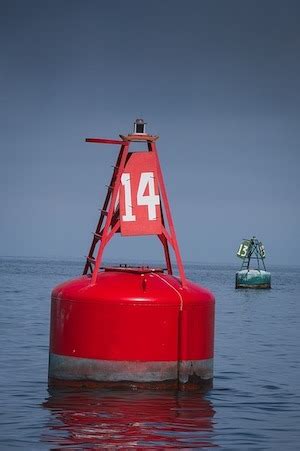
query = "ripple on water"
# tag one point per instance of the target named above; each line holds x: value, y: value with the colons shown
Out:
x: 255, y: 402
x: 129, y: 418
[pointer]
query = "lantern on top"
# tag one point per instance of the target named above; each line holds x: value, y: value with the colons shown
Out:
x: 139, y: 127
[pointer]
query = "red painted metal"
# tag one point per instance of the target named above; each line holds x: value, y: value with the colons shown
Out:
x: 104, y: 141
x: 113, y: 324
x: 134, y: 164
x: 119, y: 318
x: 171, y: 239
x: 140, y: 163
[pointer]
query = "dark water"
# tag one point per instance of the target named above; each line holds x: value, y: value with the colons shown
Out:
x: 255, y: 402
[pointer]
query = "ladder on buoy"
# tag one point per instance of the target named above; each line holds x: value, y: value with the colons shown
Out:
x: 117, y: 214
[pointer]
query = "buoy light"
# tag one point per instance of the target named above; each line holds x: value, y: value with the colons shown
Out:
x: 139, y: 127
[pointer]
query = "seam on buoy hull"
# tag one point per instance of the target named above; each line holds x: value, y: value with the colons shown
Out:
x: 193, y: 369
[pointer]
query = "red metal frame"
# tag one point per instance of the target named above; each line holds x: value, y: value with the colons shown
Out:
x: 109, y: 221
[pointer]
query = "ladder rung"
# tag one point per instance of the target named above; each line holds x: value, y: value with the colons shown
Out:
x: 98, y: 236
x: 91, y: 260
x: 104, y: 212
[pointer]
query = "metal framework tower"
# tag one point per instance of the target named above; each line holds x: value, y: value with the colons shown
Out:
x: 118, y: 212
x: 252, y: 251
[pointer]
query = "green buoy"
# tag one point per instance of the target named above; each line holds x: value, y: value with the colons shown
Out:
x: 253, y: 272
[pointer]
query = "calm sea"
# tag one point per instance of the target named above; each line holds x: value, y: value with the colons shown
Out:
x: 254, y: 405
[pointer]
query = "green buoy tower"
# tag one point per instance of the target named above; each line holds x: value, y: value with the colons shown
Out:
x: 253, y: 272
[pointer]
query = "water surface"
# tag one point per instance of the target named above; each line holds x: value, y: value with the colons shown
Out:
x: 255, y: 402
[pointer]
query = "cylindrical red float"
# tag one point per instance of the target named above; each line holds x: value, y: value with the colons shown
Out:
x: 136, y: 327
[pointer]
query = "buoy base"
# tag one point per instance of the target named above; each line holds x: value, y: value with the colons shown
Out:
x: 261, y: 286
x: 191, y: 386
x: 80, y: 372
x: 253, y: 278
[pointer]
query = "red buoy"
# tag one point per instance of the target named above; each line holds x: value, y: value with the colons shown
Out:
x: 132, y: 326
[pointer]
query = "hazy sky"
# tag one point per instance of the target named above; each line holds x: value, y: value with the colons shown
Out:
x: 219, y: 81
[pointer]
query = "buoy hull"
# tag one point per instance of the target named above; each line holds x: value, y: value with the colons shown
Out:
x: 74, y: 371
x: 252, y: 279
x: 131, y: 330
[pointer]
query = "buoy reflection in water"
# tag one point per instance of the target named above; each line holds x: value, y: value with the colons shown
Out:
x: 129, y: 418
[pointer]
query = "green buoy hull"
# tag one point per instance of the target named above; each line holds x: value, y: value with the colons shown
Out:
x: 252, y: 278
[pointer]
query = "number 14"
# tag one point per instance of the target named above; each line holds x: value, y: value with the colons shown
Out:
x: 151, y: 200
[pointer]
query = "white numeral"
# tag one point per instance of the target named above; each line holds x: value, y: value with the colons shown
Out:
x: 243, y: 249
x: 151, y: 199
x: 125, y: 180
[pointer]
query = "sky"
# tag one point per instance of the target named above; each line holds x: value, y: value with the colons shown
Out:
x: 218, y: 81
